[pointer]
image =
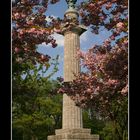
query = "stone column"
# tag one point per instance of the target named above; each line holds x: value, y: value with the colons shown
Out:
x: 71, y: 63
x: 72, y: 125
x: 72, y: 115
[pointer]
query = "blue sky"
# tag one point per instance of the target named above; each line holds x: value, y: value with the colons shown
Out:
x: 87, y: 39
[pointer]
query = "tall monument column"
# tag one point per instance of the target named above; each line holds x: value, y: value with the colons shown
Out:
x: 72, y: 124
x: 72, y: 115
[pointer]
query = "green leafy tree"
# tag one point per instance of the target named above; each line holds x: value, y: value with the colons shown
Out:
x: 36, y: 109
x: 93, y: 121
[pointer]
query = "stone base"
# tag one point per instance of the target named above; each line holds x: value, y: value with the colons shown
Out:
x: 73, y: 134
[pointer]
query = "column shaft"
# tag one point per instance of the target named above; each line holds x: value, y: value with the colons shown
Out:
x: 72, y: 115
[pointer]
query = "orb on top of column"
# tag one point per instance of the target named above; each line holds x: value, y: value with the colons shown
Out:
x: 71, y: 3
x: 71, y: 12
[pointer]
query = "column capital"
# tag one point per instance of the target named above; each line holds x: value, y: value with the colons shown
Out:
x: 71, y: 27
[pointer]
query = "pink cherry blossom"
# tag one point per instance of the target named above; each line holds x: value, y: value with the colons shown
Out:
x: 102, y: 17
x: 112, y: 37
x: 124, y: 90
x: 108, y: 6
x: 30, y: 22
x: 31, y: 30
x: 21, y: 32
x: 91, y: 5
x: 120, y: 25
x: 17, y: 15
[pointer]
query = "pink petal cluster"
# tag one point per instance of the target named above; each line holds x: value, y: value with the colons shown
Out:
x: 124, y: 90
x: 120, y: 25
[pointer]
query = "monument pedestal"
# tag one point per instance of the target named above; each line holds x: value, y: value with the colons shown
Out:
x: 73, y: 134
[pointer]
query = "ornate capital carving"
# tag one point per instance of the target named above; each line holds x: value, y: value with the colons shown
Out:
x: 78, y: 29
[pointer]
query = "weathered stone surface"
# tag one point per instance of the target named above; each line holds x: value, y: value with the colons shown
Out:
x: 72, y: 115
x: 73, y: 131
x: 73, y: 134
x: 71, y: 63
x: 73, y: 137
